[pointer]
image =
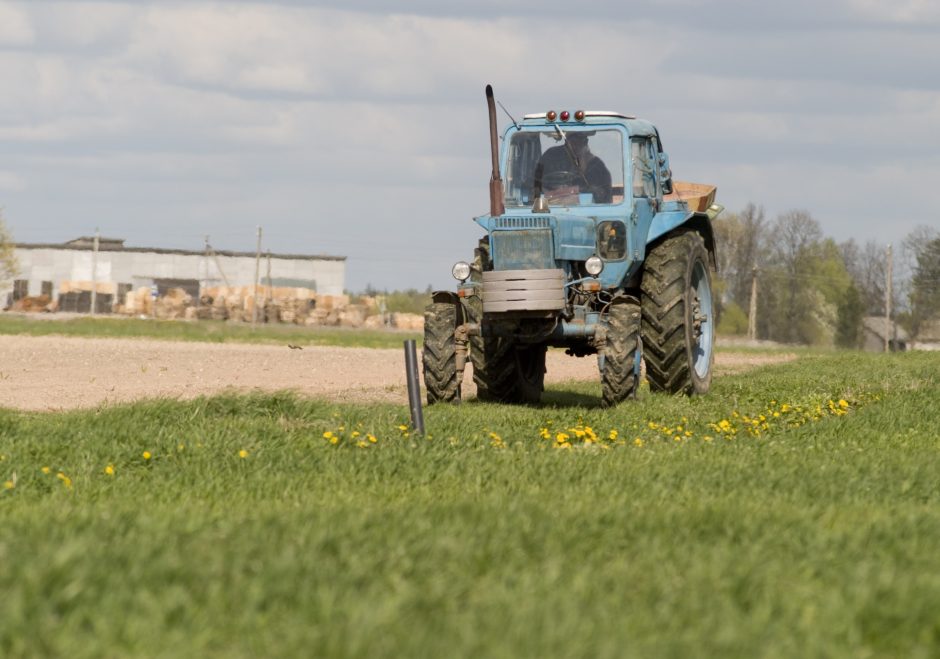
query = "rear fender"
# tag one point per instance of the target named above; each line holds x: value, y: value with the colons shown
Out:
x: 665, y: 223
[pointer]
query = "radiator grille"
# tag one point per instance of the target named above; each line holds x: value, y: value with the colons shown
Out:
x: 522, y: 223
x: 524, y: 249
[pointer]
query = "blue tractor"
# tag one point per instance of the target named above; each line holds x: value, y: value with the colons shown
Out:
x: 590, y: 246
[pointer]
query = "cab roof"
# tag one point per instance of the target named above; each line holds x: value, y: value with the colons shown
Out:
x: 634, y: 126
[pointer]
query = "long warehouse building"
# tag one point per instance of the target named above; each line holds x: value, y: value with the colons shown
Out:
x: 57, y: 269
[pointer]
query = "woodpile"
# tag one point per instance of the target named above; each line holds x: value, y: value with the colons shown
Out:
x: 33, y: 304
x: 299, y: 306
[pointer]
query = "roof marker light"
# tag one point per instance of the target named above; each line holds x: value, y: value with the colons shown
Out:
x: 565, y: 115
x: 550, y: 115
x: 579, y: 115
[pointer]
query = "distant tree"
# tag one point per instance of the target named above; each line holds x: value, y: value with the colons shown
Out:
x: 925, y: 284
x: 9, y: 267
x: 849, y: 324
x: 868, y: 266
x: 802, y: 283
x: 741, y: 243
x: 733, y: 320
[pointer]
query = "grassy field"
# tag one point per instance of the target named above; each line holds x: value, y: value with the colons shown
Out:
x: 211, y: 331
x: 792, y: 512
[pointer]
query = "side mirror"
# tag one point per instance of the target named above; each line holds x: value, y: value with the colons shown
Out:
x: 665, y: 173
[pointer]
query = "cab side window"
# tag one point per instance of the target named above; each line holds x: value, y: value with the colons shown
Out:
x: 644, y: 171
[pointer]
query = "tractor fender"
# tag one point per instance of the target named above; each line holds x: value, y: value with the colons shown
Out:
x: 450, y: 297
x: 665, y: 223
x: 445, y: 297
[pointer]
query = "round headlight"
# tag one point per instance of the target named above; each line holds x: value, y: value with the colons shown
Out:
x: 461, y: 270
x: 594, y: 265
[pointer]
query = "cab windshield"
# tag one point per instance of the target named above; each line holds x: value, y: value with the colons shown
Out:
x: 569, y: 168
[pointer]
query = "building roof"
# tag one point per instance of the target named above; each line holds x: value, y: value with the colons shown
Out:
x: 87, y: 243
x: 877, y: 325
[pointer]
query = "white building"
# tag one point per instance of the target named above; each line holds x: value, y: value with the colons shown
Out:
x: 54, y: 269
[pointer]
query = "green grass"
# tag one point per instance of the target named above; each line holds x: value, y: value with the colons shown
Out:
x: 211, y: 331
x: 816, y: 537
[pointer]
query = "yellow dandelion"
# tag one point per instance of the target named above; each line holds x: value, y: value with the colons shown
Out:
x: 362, y: 443
x: 843, y: 403
x: 46, y: 470
x: 355, y: 433
x: 146, y: 455
x: 612, y: 435
x: 243, y: 454
x: 109, y: 470
x: 707, y: 438
x: 403, y: 427
x: 638, y: 442
x: 66, y: 481
x: 334, y: 440
x: 328, y: 435
x: 372, y: 439
x: 561, y: 437
x: 8, y: 485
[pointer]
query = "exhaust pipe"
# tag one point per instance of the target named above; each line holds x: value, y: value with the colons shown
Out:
x: 496, y: 183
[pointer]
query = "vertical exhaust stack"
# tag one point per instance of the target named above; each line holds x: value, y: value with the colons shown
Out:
x: 496, y: 183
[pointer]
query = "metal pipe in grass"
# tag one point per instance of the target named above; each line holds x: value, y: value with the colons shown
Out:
x: 414, y: 389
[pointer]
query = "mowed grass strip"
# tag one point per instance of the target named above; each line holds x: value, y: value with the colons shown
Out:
x: 269, y: 525
x: 204, y: 330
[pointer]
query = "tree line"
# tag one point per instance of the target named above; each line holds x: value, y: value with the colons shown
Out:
x: 813, y: 290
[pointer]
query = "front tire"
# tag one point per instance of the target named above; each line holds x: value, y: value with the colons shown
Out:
x: 439, y: 354
x: 620, y: 374
x: 678, y: 324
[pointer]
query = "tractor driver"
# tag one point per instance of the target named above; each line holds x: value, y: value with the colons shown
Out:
x: 572, y: 165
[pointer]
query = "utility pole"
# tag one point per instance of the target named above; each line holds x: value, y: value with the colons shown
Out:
x: 888, y: 276
x: 254, y: 311
x: 94, y: 273
x: 752, y: 311
x: 205, y: 266
x: 269, y: 293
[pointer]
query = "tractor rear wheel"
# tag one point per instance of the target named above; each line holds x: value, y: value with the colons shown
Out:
x: 620, y: 374
x: 678, y: 325
x: 439, y: 355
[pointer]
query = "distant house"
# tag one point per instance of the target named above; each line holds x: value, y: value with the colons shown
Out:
x: 928, y: 336
x: 66, y: 272
x: 876, y: 328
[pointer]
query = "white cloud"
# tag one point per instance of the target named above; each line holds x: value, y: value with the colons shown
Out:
x: 11, y: 181
x: 15, y: 27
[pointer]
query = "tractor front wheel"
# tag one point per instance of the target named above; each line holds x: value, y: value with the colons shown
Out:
x: 439, y: 355
x: 620, y: 373
x: 678, y: 325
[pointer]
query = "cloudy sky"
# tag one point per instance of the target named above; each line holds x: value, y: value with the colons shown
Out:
x: 358, y: 128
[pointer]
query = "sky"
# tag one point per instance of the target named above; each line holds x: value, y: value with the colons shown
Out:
x: 359, y: 128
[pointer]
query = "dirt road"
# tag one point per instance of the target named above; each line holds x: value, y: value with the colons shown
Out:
x: 60, y: 373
